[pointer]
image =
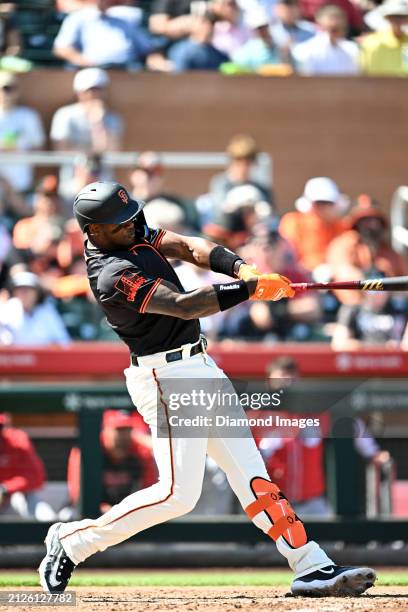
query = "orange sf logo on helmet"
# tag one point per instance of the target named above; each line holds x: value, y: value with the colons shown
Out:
x: 123, y: 196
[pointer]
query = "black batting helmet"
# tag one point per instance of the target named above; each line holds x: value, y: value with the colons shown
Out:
x: 106, y: 202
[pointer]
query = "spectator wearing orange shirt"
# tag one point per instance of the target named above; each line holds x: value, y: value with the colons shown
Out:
x: 128, y: 463
x: 363, y: 248
x: 311, y: 231
x: 244, y: 206
x: 37, y: 237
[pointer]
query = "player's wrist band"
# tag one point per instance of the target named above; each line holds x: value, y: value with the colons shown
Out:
x: 231, y: 294
x: 223, y: 260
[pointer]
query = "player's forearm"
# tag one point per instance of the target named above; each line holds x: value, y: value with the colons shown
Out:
x: 201, y: 302
x: 205, y: 301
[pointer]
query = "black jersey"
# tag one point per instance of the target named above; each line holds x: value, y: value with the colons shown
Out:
x: 123, y: 281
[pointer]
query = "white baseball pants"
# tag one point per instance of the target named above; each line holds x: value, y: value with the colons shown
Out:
x: 181, y: 464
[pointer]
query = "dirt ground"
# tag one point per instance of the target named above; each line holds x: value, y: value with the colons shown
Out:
x: 227, y: 599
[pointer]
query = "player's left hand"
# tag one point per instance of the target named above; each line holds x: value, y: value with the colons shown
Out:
x: 272, y: 287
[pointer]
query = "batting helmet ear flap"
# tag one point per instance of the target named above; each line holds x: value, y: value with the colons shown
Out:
x: 140, y: 223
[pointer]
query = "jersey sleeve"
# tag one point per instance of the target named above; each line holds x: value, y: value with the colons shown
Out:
x: 155, y: 236
x: 127, y: 285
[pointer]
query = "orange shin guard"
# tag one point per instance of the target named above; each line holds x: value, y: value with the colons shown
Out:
x: 275, y: 505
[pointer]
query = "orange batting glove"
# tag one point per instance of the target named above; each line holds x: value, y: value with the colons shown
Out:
x: 272, y: 287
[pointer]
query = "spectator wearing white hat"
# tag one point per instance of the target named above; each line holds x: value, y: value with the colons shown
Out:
x: 28, y: 318
x: 88, y: 125
x: 20, y: 130
x: 101, y: 35
x: 311, y: 231
x: 384, y: 53
x: 260, y: 50
x: 329, y: 52
x: 160, y: 212
x: 244, y: 206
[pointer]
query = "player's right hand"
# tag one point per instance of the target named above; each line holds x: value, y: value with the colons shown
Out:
x: 272, y: 287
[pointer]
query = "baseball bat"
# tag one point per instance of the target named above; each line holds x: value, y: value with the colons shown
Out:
x: 396, y: 283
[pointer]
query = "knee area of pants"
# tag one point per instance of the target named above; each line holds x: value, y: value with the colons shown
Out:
x: 183, y: 506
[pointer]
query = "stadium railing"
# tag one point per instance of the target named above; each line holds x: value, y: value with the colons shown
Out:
x: 170, y: 159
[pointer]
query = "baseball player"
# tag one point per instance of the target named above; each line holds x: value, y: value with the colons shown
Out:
x: 146, y: 305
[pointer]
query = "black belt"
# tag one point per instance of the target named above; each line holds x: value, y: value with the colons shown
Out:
x: 175, y: 355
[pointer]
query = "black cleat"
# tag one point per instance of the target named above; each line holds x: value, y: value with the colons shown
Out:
x: 334, y: 581
x: 56, y: 568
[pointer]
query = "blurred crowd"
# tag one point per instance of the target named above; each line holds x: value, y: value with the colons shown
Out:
x: 309, y: 37
x: 44, y: 292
